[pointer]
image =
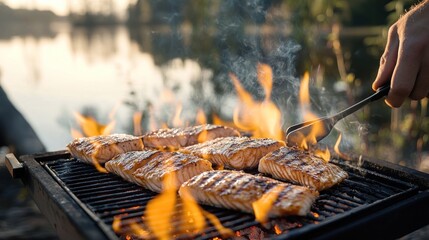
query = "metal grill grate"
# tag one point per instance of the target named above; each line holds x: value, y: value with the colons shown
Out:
x: 104, y: 196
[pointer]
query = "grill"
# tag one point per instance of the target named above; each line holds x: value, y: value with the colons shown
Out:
x: 379, y: 199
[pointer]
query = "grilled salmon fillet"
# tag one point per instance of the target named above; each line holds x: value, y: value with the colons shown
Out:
x: 148, y: 168
x: 182, y: 137
x: 234, y: 152
x: 239, y: 190
x: 126, y: 164
x: 104, y: 147
x: 302, y: 167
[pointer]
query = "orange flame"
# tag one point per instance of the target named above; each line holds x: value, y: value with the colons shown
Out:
x: 160, y: 209
x: 262, y: 206
x: 116, y: 225
x: 265, y: 77
x: 90, y: 127
x: 177, y: 121
x: 137, y: 120
x: 139, y: 231
x: 262, y: 119
x: 201, y: 117
x: 337, y: 149
x: 193, y: 217
x: 325, y: 155
x: 277, y: 229
x: 317, y: 129
x: 219, y: 121
x: 218, y: 225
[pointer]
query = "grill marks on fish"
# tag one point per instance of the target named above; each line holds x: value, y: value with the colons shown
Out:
x: 104, y: 147
x: 148, y: 168
x: 174, y: 138
x: 234, y: 152
x: 302, y: 167
x: 238, y: 190
x: 126, y: 164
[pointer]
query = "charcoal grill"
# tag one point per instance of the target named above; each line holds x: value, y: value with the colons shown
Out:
x: 378, y: 200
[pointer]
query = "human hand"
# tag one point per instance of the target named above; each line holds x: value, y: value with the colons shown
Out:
x: 405, y: 61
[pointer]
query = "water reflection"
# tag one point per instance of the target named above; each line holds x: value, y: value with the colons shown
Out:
x: 156, y: 68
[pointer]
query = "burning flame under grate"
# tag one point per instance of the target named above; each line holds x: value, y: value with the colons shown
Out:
x: 107, y: 196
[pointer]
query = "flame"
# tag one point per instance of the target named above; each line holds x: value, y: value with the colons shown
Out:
x: 262, y: 206
x: 317, y: 128
x: 116, y: 225
x: 219, y: 121
x: 277, y: 229
x: 193, y: 217
x: 160, y: 209
x: 265, y: 77
x: 137, y: 120
x: 139, y: 231
x: 262, y: 119
x: 337, y: 149
x: 75, y: 133
x: 98, y: 166
x: 202, y: 137
x: 325, y: 155
x: 201, y: 117
x: 218, y: 225
x: 177, y: 121
x: 90, y: 126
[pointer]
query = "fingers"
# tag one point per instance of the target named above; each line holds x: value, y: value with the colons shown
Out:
x: 405, y: 73
x: 388, y: 59
x: 421, y: 86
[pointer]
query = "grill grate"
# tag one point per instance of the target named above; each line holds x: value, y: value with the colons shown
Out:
x: 105, y: 196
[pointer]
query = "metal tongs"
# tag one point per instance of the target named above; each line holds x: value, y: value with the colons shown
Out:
x: 296, y: 133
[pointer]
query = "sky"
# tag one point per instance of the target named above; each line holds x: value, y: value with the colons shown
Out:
x: 59, y: 7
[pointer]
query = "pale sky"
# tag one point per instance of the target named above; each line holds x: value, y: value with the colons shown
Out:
x: 60, y: 7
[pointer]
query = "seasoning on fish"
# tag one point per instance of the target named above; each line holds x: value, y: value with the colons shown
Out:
x: 234, y: 152
x: 239, y: 190
x: 302, y: 167
x: 104, y: 147
x: 182, y: 137
x: 126, y: 164
x: 147, y: 168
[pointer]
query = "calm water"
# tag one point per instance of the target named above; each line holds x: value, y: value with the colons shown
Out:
x: 111, y: 73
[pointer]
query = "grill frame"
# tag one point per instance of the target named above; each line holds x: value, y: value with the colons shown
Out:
x: 73, y: 219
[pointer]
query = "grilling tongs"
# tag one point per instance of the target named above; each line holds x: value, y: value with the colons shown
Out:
x: 296, y: 133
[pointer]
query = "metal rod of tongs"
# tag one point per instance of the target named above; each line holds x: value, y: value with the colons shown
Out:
x: 296, y: 133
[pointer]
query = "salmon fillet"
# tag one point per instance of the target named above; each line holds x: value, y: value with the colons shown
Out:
x: 238, y: 190
x: 302, y: 167
x: 104, y: 147
x: 234, y: 152
x: 148, y: 168
x: 126, y: 164
x: 182, y: 137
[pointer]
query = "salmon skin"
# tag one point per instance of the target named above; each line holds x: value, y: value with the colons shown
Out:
x: 234, y: 152
x: 302, y: 167
x: 239, y: 190
x: 174, y: 138
x: 149, y: 167
x: 104, y: 147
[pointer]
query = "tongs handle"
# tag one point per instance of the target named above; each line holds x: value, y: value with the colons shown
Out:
x: 381, y: 92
